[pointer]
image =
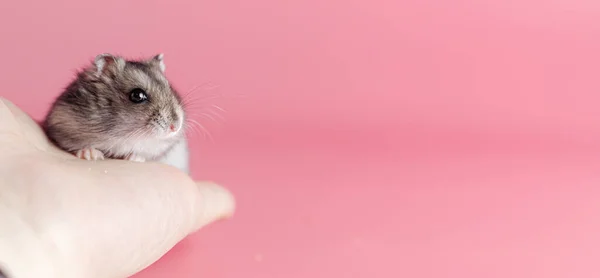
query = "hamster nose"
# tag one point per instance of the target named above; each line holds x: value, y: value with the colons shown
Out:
x: 172, y: 128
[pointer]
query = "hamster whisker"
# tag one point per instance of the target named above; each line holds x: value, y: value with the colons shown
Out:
x: 134, y: 136
x: 186, y: 94
x: 190, y: 97
x: 203, y: 92
x: 199, y: 100
x: 188, y: 125
x: 189, y: 129
x: 202, y: 108
x: 202, y: 105
x: 216, y: 114
x: 218, y: 107
x: 200, y: 128
x: 205, y: 131
x: 116, y: 142
x: 139, y: 135
x: 125, y: 138
x: 208, y: 116
x: 214, y: 86
x: 193, y: 129
x: 207, y: 113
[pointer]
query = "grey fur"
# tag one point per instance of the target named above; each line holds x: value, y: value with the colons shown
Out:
x: 94, y: 111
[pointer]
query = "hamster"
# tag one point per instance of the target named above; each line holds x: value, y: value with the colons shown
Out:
x: 120, y: 109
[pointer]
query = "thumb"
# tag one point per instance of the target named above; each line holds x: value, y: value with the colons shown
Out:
x: 215, y: 203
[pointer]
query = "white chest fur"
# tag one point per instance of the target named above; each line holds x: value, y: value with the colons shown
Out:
x: 178, y: 156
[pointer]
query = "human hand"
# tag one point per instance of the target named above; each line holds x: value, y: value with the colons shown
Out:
x: 65, y: 217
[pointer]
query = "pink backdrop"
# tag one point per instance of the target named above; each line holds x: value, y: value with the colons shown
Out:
x: 381, y: 138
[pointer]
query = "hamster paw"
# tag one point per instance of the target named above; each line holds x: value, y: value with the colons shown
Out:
x: 136, y: 158
x: 90, y: 154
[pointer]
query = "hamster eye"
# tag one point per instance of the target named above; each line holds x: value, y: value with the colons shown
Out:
x: 138, y: 95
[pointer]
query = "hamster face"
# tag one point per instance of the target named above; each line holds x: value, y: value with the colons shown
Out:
x: 120, y: 107
x: 144, y: 103
x: 148, y: 106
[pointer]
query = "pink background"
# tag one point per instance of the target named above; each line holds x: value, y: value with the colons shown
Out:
x: 380, y: 138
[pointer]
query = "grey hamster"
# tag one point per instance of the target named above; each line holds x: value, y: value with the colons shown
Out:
x: 118, y: 108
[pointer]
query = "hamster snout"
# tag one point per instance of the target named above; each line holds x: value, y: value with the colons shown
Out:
x: 169, y: 121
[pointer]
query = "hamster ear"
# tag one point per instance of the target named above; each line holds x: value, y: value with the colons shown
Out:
x: 158, y: 60
x: 105, y: 62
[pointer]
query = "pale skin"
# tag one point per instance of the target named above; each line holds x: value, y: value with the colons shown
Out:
x: 61, y: 216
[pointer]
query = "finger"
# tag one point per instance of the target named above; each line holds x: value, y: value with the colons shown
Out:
x: 18, y: 123
x: 8, y: 122
x: 146, y: 208
x: 215, y: 203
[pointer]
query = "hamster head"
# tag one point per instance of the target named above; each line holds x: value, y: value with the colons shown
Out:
x: 120, y: 107
x: 138, y: 98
